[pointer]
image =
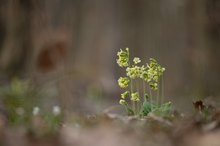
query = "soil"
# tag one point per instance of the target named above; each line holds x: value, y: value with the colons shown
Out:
x: 116, y: 130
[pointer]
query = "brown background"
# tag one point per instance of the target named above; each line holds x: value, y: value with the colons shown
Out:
x: 70, y: 46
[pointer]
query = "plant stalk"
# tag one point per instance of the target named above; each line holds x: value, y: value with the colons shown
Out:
x: 158, y: 95
x: 151, y: 99
x: 132, y: 102
x: 144, y: 91
x: 162, y: 89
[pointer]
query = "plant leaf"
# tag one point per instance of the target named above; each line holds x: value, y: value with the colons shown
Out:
x: 163, y: 110
x: 130, y: 112
x: 147, y: 108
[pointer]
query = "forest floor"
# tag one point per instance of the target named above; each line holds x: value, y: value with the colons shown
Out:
x: 115, y: 130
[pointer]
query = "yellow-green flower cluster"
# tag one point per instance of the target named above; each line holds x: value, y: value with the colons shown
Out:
x: 155, y: 70
x: 123, y: 57
x: 125, y: 94
x: 123, y: 102
x: 153, y: 85
x: 135, y: 96
x: 152, y: 73
x: 133, y: 72
x: 123, y: 82
x: 144, y: 73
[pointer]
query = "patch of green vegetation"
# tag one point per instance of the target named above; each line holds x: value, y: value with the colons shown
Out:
x: 18, y: 99
x: 21, y: 102
x: 146, y: 77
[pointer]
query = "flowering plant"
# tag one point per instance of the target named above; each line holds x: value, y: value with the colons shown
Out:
x: 149, y: 74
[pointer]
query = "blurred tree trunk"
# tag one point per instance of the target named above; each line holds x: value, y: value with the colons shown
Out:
x: 198, y: 53
x: 213, y: 37
x: 16, y: 46
x: 2, y: 23
x: 204, y: 27
x: 91, y: 63
x: 76, y: 41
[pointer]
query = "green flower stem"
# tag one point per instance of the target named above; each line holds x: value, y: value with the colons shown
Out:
x: 137, y: 105
x: 131, y: 87
x: 132, y: 102
x: 126, y: 108
x: 158, y: 95
x: 162, y: 89
x: 151, y: 98
x: 144, y: 91
x: 138, y: 90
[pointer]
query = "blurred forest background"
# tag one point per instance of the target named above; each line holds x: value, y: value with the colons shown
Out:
x: 69, y: 47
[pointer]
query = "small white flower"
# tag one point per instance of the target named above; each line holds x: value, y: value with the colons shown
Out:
x: 56, y: 110
x: 35, y: 110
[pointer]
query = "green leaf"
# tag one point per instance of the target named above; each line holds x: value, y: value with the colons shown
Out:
x: 163, y: 110
x: 147, y: 108
x: 130, y: 112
